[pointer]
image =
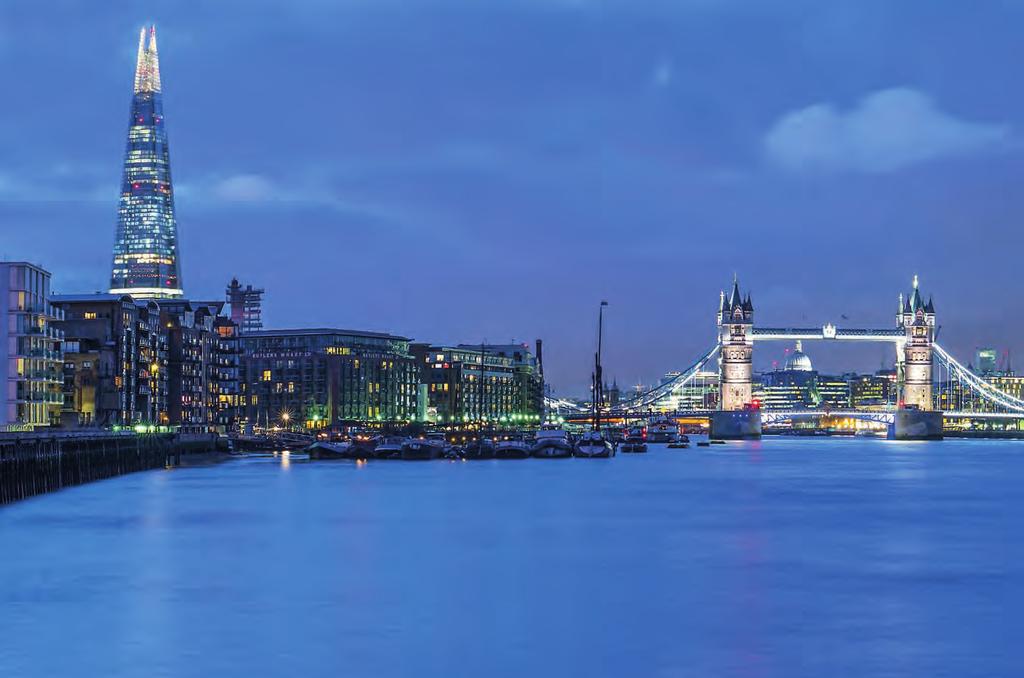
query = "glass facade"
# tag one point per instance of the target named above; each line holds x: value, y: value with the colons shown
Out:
x: 146, y: 262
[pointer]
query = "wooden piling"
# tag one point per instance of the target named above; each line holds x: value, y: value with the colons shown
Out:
x: 32, y: 464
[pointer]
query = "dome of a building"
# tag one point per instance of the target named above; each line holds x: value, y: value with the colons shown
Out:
x: 798, y: 361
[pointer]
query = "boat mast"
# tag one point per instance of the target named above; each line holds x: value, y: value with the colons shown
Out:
x: 598, y: 377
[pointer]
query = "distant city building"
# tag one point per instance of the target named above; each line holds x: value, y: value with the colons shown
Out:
x: 955, y: 395
x: 1010, y: 384
x: 798, y: 385
x: 199, y: 364
x: 872, y: 391
x: 698, y: 393
x: 115, y: 361
x: 465, y: 384
x: 831, y: 393
x: 146, y: 260
x: 317, y: 378
x: 792, y: 387
x: 612, y: 394
x: 986, y: 360
x: 227, y: 373
x: 166, y: 362
x: 528, y: 398
x: 246, y: 306
x: 30, y: 350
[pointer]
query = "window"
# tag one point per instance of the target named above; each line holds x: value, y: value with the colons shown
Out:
x: 266, y: 375
x: 90, y: 315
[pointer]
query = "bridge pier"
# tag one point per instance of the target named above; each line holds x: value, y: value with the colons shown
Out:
x: 916, y: 425
x: 736, y: 424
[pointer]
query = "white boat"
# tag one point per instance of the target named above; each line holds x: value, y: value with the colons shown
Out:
x: 592, y: 445
x: 662, y: 430
x: 552, y: 443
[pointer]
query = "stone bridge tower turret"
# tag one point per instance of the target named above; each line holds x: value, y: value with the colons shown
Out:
x: 736, y: 368
x: 917, y: 319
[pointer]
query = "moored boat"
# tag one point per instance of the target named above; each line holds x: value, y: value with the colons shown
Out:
x: 592, y: 445
x: 323, y: 449
x: 633, y: 445
x: 389, y: 447
x: 362, y: 447
x: 511, y: 447
x: 552, y: 443
x: 417, y: 449
x: 680, y: 443
x: 480, y: 448
x: 662, y: 430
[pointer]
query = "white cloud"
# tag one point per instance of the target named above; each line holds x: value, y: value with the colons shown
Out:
x: 887, y: 130
x: 245, y: 188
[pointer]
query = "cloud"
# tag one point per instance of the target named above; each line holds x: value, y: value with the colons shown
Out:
x: 51, y: 187
x: 889, y: 129
x: 245, y: 188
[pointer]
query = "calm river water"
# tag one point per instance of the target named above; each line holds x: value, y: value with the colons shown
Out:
x: 788, y: 557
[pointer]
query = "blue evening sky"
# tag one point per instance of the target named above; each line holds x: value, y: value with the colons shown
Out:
x: 454, y: 170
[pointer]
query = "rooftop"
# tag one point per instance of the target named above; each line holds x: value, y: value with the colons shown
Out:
x: 95, y: 297
x: 320, y: 331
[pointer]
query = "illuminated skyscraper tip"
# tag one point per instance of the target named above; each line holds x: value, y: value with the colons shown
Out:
x: 147, y: 63
x: 146, y: 260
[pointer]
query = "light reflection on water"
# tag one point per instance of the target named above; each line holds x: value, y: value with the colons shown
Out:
x: 788, y: 557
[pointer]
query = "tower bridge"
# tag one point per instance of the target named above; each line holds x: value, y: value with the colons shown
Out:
x: 928, y: 378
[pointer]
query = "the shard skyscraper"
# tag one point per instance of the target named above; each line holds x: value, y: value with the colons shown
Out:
x: 146, y: 255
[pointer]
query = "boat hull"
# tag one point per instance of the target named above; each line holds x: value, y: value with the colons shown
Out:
x: 594, y: 450
x: 520, y: 451
x: 420, y: 451
x: 551, y: 449
x: 387, y: 452
x: 483, y: 450
x: 324, y: 450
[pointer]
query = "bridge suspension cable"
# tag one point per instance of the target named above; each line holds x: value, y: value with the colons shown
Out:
x: 645, y: 400
x: 976, y: 383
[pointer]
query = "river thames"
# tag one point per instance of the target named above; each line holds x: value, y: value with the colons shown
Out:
x: 786, y: 557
